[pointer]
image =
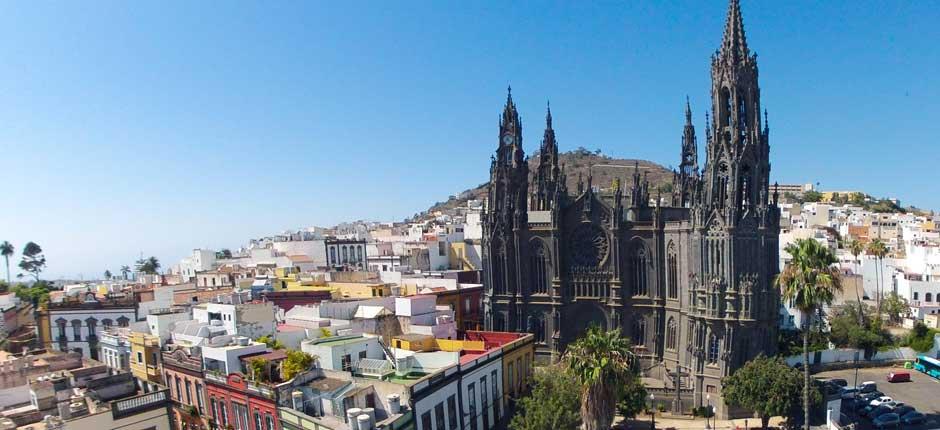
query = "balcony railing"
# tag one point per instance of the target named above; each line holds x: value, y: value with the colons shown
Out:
x: 141, y: 403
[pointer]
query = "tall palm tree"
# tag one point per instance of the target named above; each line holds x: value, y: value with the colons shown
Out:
x: 809, y: 281
x: 125, y: 270
x: 154, y: 265
x: 856, y: 247
x: 878, y: 249
x: 6, y: 249
x: 600, y: 361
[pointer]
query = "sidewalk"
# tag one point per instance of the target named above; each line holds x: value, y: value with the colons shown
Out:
x: 664, y: 422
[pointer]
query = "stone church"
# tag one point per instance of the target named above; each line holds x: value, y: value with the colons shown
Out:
x: 688, y: 277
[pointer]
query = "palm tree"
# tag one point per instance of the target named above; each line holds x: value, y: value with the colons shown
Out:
x: 600, y: 361
x: 125, y: 270
x: 878, y: 248
x: 6, y: 249
x: 856, y: 247
x: 153, y: 264
x: 809, y: 281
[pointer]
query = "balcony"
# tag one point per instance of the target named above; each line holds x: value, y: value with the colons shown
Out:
x: 141, y: 403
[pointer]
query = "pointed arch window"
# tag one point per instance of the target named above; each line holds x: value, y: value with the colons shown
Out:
x: 496, y: 275
x: 726, y: 107
x: 539, y: 269
x: 640, y: 285
x: 713, y: 344
x: 672, y: 267
x: 671, y: 334
x: 639, y: 332
x: 123, y: 321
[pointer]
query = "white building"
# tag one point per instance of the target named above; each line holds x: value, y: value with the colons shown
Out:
x: 77, y: 323
x: 343, y: 352
x: 247, y: 319
x: 200, y: 261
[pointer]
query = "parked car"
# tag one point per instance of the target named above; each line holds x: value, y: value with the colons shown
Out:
x: 868, y: 386
x: 913, y: 417
x: 903, y: 410
x: 839, y: 381
x: 886, y: 420
x: 899, y: 376
x: 872, y: 412
x: 848, y: 392
x: 880, y: 400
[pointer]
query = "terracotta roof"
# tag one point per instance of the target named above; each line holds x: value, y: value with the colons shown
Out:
x: 275, y: 355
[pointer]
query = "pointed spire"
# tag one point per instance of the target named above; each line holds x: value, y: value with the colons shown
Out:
x: 688, y: 111
x: 548, y: 114
x: 766, y: 122
x: 734, y: 42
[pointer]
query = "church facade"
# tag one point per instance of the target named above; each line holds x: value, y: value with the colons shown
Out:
x: 687, y: 277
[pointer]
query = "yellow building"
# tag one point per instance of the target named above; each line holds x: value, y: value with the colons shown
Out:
x: 361, y: 290
x: 427, y: 343
x: 145, y: 357
x: 518, y: 357
x: 458, y: 256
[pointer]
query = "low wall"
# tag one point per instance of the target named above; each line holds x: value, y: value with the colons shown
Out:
x: 842, y: 358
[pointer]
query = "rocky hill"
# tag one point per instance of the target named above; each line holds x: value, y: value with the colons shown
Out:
x: 579, y: 161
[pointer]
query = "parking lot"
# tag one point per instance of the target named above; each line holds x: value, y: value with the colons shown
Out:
x: 923, y: 392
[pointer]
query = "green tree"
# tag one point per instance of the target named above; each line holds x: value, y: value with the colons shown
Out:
x: 764, y: 385
x: 149, y: 265
x: 107, y: 274
x: 271, y: 342
x: 258, y: 370
x: 125, y: 270
x: 846, y: 332
x: 601, y: 361
x: 896, y: 307
x: 812, y: 196
x: 921, y: 338
x: 37, y: 294
x: 633, y: 397
x: 223, y: 253
x: 6, y: 250
x: 857, y: 199
x: 809, y: 281
x: 296, y: 362
x: 552, y: 404
x: 878, y: 249
x: 33, y: 261
x: 856, y: 247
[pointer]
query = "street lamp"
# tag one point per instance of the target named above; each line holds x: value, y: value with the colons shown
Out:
x: 652, y: 412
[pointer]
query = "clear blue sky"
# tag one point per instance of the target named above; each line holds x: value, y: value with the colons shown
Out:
x: 128, y: 127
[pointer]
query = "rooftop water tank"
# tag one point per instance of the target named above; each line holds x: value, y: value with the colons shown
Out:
x: 351, y: 415
x: 394, y: 403
x: 364, y: 422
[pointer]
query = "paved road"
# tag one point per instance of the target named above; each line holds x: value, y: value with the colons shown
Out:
x: 923, y: 392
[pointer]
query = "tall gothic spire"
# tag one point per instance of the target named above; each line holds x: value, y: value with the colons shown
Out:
x: 509, y: 121
x: 734, y: 43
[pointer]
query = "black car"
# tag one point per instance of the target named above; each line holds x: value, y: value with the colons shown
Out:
x: 840, y: 382
x: 871, y: 396
x: 913, y: 417
x: 877, y: 411
x: 903, y: 410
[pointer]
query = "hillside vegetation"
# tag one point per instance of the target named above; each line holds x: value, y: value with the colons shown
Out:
x: 579, y: 161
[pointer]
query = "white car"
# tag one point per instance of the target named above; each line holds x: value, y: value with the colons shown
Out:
x: 877, y: 402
